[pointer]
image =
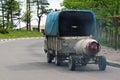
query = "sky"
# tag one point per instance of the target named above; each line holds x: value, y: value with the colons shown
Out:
x: 54, y: 4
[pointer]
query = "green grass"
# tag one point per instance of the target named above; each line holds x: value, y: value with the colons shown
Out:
x: 20, y: 34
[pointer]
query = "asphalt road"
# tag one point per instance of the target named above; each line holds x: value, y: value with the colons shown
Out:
x: 26, y: 60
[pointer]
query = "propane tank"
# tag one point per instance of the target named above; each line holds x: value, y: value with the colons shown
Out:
x: 87, y: 46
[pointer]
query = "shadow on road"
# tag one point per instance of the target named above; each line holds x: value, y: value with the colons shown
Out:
x: 31, y: 66
x: 46, y: 66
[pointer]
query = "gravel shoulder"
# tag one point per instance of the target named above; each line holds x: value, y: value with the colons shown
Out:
x: 110, y: 53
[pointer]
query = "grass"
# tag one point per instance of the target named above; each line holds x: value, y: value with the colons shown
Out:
x: 20, y: 34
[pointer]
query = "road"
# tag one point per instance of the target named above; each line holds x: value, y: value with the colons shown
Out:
x: 26, y: 60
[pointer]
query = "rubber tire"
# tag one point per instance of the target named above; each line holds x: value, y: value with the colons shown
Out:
x: 102, y: 63
x: 72, y: 63
x: 57, y: 61
x: 49, y: 59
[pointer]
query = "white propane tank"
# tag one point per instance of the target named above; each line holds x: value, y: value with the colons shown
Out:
x: 87, y: 46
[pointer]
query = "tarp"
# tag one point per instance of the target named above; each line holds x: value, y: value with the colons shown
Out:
x: 51, y: 27
x: 53, y: 24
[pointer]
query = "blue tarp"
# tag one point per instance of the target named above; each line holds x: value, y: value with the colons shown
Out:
x: 52, y: 22
x: 51, y: 27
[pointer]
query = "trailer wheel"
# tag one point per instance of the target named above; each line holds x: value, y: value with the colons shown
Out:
x: 102, y: 63
x: 57, y: 60
x: 72, y: 63
x: 49, y: 59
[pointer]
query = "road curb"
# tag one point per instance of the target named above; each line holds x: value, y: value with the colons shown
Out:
x: 113, y: 63
x: 21, y: 38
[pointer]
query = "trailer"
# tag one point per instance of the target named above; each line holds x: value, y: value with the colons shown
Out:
x: 70, y: 35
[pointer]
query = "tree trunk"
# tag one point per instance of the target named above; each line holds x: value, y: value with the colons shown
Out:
x: 39, y: 17
x: 116, y: 37
x: 11, y: 25
x: 8, y: 17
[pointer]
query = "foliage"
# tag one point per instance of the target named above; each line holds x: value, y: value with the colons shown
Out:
x: 26, y: 16
x: 12, y: 5
x: 102, y: 8
x: 9, y: 25
x: 11, y: 10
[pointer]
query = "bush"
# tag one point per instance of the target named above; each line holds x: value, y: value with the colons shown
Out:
x: 105, y: 42
x: 4, y: 31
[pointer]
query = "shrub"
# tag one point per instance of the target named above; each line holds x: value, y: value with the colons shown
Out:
x: 4, y: 31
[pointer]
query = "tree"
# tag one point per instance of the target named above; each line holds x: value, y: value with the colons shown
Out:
x: 26, y: 17
x: 12, y: 10
x: 102, y: 8
x: 28, y: 14
x: 3, y: 16
x: 41, y: 9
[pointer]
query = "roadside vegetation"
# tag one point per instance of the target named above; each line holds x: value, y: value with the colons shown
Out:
x: 11, y: 17
x: 7, y: 34
x: 108, y: 36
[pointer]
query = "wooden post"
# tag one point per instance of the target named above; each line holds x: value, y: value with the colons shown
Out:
x: 116, y: 24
